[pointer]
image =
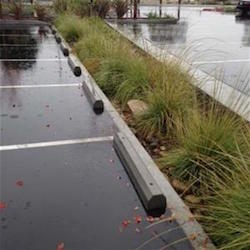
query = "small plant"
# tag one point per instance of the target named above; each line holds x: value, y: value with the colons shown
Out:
x: 152, y: 15
x: 41, y: 11
x: 121, y: 7
x: 16, y: 8
x: 60, y: 6
x: 80, y: 7
x: 101, y: 7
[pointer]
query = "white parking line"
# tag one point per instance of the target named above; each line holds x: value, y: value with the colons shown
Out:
x: 32, y: 60
x: 221, y: 61
x: 40, y: 86
x: 27, y: 35
x: 55, y: 143
x: 27, y: 45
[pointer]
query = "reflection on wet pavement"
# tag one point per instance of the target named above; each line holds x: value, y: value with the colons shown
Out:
x: 217, y: 43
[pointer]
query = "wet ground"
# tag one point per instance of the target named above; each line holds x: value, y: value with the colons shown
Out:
x: 216, y: 43
x: 69, y: 186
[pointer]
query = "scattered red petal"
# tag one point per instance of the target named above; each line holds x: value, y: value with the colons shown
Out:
x: 138, y: 219
x: 125, y: 223
x: 150, y: 219
x: 3, y: 205
x: 19, y: 183
x: 60, y: 246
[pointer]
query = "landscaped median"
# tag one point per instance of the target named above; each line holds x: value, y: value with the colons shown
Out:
x: 202, y: 147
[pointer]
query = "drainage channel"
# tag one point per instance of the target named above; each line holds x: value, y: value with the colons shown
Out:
x: 64, y: 179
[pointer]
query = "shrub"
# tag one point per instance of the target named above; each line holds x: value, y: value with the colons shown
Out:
x: 101, y: 7
x: 80, y: 7
x: 121, y: 7
x: 16, y: 8
x: 204, y: 146
x: 60, y: 6
x: 41, y: 11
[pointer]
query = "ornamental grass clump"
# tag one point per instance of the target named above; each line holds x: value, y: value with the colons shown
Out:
x: 169, y: 101
x: 209, y: 137
x: 226, y: 213
x: 71, y: 27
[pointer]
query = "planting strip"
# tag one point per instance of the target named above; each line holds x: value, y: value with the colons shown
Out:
x: 181, y: 212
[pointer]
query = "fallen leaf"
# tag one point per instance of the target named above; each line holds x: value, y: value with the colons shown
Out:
x: 125, y: 223
x: 2, y: 205
x: 138, y: 219
x: 19, y: 183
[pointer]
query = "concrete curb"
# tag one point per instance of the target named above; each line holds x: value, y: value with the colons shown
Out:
x: 143, y: 20
x: 180, y: 211
x: 147, y: 188
x: 94, y: 98
x: 74, y: 65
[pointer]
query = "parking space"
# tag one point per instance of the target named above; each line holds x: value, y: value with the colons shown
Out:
x: 60, y: 178
x: 214, y: 42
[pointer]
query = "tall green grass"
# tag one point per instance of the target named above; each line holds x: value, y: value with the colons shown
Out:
x: 209, y: 139
x: 227, y: 212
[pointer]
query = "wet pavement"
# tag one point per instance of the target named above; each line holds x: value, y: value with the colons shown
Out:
x: 217, y: 43
x: 78, y: 193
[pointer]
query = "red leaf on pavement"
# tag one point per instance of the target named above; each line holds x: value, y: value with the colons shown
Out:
x: 3, y: 205
x: 19, y: 183
x: 138, y: 219
x: 125, y: 223
x: 60, y: 246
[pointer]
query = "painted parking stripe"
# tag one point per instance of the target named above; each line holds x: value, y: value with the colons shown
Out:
x: 24, y: 35
x: 41, y: 86
x: 33, y: 60
x: 27, y: 45
x: 221, y: 61
x: 55, y: 143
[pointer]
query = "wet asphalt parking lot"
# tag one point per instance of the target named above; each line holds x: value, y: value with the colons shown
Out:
x: 217, y: 43
x: 69, y: 186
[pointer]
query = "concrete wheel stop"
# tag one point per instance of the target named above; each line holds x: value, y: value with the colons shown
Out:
x: 93, y: 97
x: 148, y: 190
x: 74, y: 65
